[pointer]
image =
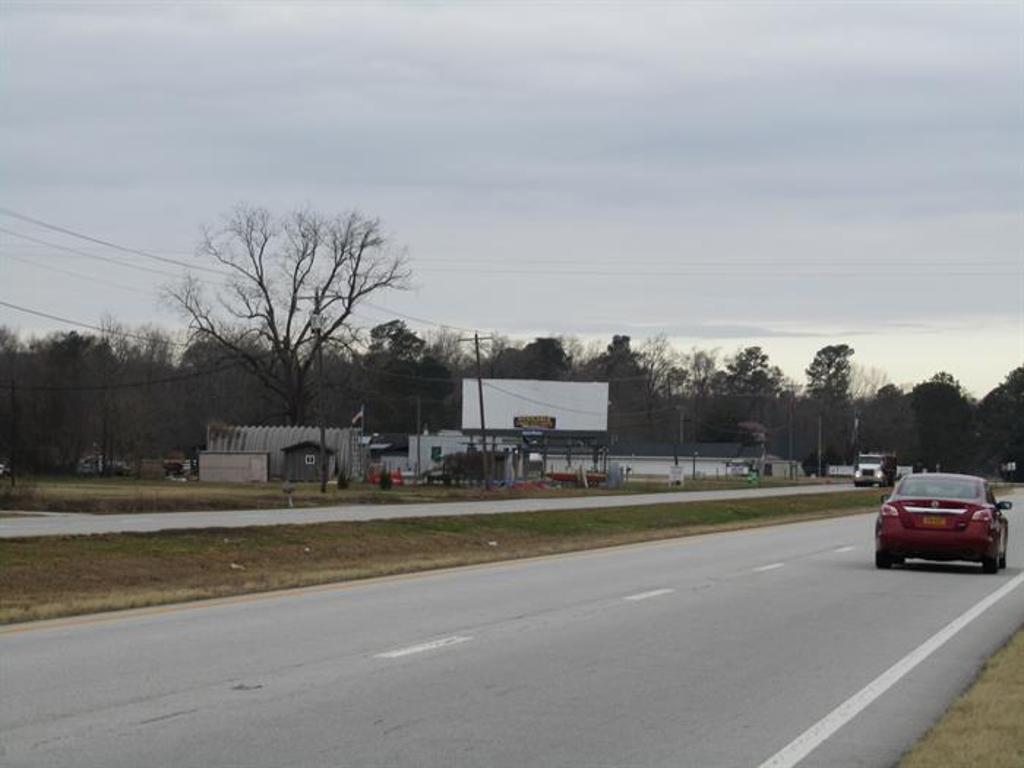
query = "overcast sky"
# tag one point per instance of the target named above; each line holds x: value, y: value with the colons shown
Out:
x: 782, y: 174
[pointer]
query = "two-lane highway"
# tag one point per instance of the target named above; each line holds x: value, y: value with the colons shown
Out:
x: 721, y: 650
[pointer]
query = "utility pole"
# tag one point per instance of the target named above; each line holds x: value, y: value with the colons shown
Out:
x: 679, y: 439
x: 14, y: 428
x: 792, y: 403
x: 483, y: 423
x: 856, y: 434
x: 419, y: 437
x: 476, y: 339
x: 317, y: 323
x: 819, y: 445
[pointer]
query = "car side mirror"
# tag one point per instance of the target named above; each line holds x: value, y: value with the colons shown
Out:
x: 885, y: 498
x: 1004, y: 505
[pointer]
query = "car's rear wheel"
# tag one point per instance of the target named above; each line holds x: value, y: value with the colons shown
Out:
x: 989, y: 565
x: 882, y: 560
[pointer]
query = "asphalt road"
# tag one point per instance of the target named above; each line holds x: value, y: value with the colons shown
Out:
x: 63, y: 524
x: 719, y: 650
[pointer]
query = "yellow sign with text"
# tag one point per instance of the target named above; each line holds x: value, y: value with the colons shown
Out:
x: 534, y: 422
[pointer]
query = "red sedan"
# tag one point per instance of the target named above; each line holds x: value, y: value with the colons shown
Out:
x: 942, y: 517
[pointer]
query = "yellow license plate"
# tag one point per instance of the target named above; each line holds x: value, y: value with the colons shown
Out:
x: 935, y: 521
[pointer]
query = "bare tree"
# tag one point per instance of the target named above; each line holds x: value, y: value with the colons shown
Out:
x: 444, y: 345
x: 865, y: 381
x: 702, y: 375
x: 278, y: 273
x: 664, y: 376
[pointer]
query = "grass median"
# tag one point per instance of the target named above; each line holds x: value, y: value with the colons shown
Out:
x: 55, y: 576
x: 984, y: 727
x: 127, y: 495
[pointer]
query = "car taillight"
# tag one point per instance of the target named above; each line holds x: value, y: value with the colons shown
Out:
x: 982, y: 516
x: 888, y: 510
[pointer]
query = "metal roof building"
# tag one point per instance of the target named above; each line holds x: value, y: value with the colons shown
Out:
x: 343, y: 442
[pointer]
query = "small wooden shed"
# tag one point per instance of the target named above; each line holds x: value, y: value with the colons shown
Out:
x: 302, y: 461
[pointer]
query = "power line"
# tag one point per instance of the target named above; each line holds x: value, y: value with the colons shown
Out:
x: 452, y: 381
x: 99, y: 241
x: 353, y: 361
x: 395, y: 313
x: 135, y: 251
x: 71, y: 272
x: 584, y: 271
x: 883, y: 259
x: 128, y: 384
x: 88, y: 326
x: 86, y: 254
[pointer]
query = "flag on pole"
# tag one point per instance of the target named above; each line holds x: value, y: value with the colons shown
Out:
x: 357, y: 418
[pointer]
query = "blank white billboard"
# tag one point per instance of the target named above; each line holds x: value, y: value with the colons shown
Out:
x: 527, y: 404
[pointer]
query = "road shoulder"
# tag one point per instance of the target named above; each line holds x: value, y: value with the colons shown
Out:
x: 985, y: 725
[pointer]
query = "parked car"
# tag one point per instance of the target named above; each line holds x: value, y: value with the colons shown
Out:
x: 942, y: 517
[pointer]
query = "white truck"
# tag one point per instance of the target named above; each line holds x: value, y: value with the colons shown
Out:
x: 878, y: 469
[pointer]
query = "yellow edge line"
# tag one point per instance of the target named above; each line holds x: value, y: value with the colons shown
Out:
x: 107, y: 617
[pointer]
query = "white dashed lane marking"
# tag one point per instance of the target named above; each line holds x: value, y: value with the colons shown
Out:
x: 649, y: 595
x: 769, y: 567
x: 432, y: 645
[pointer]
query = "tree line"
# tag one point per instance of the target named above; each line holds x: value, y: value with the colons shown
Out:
x: 131, y: 394
x: 275, y: 304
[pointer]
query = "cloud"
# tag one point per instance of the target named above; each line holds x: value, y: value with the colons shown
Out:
x: 752, y: 170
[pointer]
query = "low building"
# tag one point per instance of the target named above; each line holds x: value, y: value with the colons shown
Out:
x: 234, y: 466
x: 302, y: 461
x: 518, y: 456
x: 346, y: 454
x: 390, y: 450
x: 656, y: 461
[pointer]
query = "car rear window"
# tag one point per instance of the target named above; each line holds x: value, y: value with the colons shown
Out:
x: 940, y: 487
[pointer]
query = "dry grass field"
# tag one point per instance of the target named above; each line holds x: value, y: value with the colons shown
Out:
x: 124, y: 495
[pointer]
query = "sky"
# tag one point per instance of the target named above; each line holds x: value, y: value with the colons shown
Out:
x: 789, y: 175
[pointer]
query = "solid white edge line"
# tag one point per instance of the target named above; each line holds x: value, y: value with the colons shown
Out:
x: 442, y: 643
x: 814, y: 736
x: 769, y: 567
x: 647, y: 595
